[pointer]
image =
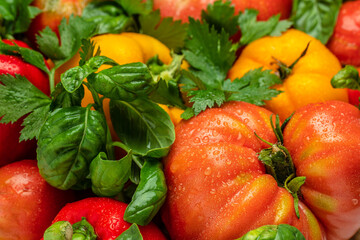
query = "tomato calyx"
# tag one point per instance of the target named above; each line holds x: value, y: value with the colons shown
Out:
x: 284, y: 70
x: 81, y: 230
x: 279, y: 164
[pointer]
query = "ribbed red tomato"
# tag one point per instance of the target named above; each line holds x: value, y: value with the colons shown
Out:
x: 218, y: 189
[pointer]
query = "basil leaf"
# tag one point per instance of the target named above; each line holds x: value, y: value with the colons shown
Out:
x: 73, y: 78
x: 143, y: 126
x: 273, y: 232
x: 61, y: 230
x: 69, y: 140
x: 109, y: 176
x: 132, y: 233
x: 149, y: 195
x: 123, y: 82
x: 63, y: 99
x: 83, y: 230
x: 316, y: 18
x: 108, y: 16
x: 348, y: 77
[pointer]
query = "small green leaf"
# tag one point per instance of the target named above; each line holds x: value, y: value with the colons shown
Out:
x: 18, y: 98
x: 316, y: 18
x: 143, y: 126
x: 166, y: 30
x: 293, y: 185
x: 221, y: 15
x: 69, y: 140
x: 149, y: 195
x: 188, y: 113
x: 108, y: 177
x: 133, y: 7
x: 132, y: 233
x: 254, y: 87
x: 204, y: 99
x: 123, y: 82
x: 348, y: 77
x: 73, y: 78
x: 274, y: 232
x: 252, y: 29
x: 109, y: 17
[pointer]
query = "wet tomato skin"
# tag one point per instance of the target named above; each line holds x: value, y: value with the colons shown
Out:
x: 27, y: 203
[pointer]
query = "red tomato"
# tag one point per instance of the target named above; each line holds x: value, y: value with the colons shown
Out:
x: 10, y: 148
x: 345, y: 42
x: 27, y: 203
x: 217, y: 188
x: 106, y: 215
x: 182, y: 9
x: 53, y: 12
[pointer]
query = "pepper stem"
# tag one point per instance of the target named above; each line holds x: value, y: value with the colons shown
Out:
x: 283, y: 70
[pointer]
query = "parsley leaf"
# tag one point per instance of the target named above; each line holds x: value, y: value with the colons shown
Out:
x: 203, y: 99
x: 251, y: 29
x: 253, y: 87
x: 18, y: 98
x: 171, y: 33
x: 209, y: 53
x: 221, y: 16
x: 16, y: 16
x: 71, y: 34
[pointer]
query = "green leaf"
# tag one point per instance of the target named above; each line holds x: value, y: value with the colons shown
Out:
x: 71, y: 34
x: 316, y: 18
x: 348, y: 77
x: 166, y: 30
x: 18, y: 98
x: 63, y: 99
x: 132, y: 233
x: 16, y: 16
x: 123, y: 82
x: 204, y: 99
x: 132, y: 7
x: 188, y: 113
x: 251, y: 29
x: 109, y: 17
x: 87, y: 51
x: 210, y: 54
x: 254, y: 87
x: 74, y: 77
x: 69, y: 140
x: 221, y: 15
x: 108, y: 177
x: 274, y: 232
x: 149, y: 195
x: 61, y: 230
x: 143, y: 126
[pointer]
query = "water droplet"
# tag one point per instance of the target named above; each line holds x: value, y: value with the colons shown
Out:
x: 207, y: 171
x: 216, y: 152
x: 212, y: 191
x: 228, y: 162
x: 197, y: 140
x: 355, y: 201
x: 246, y: 120
x: 206, y: 139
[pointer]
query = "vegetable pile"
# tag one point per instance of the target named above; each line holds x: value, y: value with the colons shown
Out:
x: 218, y: 119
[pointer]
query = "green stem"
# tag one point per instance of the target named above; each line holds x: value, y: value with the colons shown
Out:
x: 52, y: 79
x: 98, y: 102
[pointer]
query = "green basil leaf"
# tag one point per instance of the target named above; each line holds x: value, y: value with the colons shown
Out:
x: 132, y: 233
x: 123, y: 82
x: 63, y: 99
x: 69, y: 140
x: 73, y: 78
x: 109, y: 176
x: 149, y: 195
x: 143, y: 126
x: 348, y: 77
x: 167, y: 93
x: 273, y: 232
x: 316, y: 18
x: 108, y: 16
